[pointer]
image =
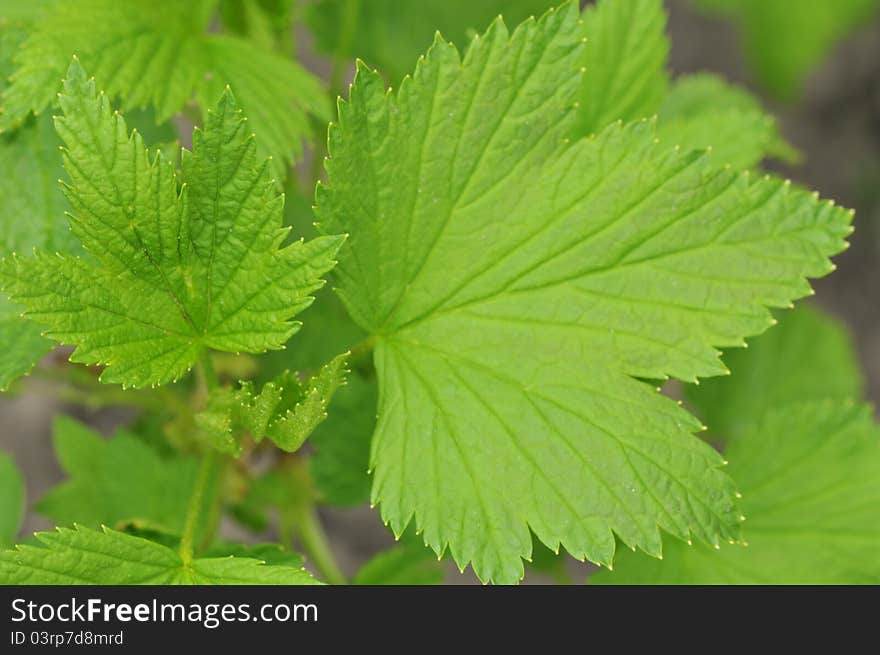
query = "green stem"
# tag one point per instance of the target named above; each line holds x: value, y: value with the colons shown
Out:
x: 208, y: 469
x: 362, y: 349
x: 194, y: 509
x: 206, y: 369
x: 316, y: 546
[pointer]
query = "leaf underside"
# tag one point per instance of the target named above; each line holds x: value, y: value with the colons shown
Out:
x: 519, y: 281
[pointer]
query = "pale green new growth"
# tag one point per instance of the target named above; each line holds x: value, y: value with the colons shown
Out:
x: 157, y: 52
x: 117, y: 482
x: 176, y: 270
x: 11, y: 500
x: 519, y: 280
x: 82, y: 556
x: 286, y: 411
x: 811, y: 495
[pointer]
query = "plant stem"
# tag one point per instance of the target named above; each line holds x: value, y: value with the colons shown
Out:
x: 207, y: 468
x: 362, y: 348
x: 207, y: 472
x: 315, y: 544
x: 206, y: 369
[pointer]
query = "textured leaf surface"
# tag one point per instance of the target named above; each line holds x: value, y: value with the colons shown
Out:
x: 286, y: 410
x: 177, y: 271
x: 809, y: 356
x: 810, y: 478
x: 117, y: 481
x: 88, y: 557
x: 391, y: 34
x: 12, y: 495
x: 158, y: 53
x: 625, y: 60
x: 518, y: 282
x: 786, y: 39
x: 703, y: 111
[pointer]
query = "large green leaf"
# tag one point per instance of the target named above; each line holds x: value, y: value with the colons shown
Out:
x: 810, y: 479
x: 87, y: 557
x: 518, y: 282
x: 177, y: 270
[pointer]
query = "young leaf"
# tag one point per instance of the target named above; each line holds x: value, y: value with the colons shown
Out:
x: 625, y: 61
x: 518, y: 282
x: 809, y: 356
x: 811, y: 495
x: 12, y: 496
x: 703, y: 111
x: 158, y: 53
x: 175, y: 272
x: 82, y: 556
x: 286, y: 411
x: 117, y: 481
x: 408, y: 563
x: 391, y: 34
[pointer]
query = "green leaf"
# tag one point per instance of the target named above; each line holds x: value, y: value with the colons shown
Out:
x: 703, y: 111
x: 811, y: 495
x: 786, y: 39
x: 286, y: 411
x: 809, y: 356
x: 408, y: 563
x: 177, y: 271
x: 391, y: 34
x: 87, y: 557
x: 158, y: 53
x: 117, y: 481
x: 519, y: 282
x: 342, y: 456
x: 12, y: 495
x: 625, y: 60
